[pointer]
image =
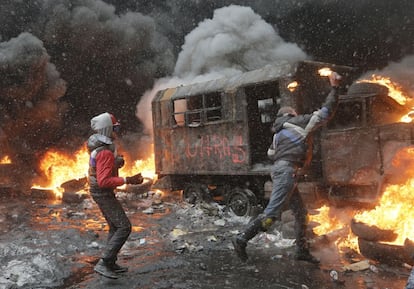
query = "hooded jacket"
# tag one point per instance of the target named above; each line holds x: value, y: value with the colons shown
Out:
x: 103, y: 174
x: 289, y: 141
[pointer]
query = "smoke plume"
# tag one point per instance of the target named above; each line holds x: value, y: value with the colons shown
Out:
x: 400, y: 72
x: 235, y: 39
x: 30, y: 88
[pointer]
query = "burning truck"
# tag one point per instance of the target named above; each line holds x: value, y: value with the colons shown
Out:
x: 211, y: 138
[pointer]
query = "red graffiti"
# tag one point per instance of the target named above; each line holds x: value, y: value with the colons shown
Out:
x: 217, y: 146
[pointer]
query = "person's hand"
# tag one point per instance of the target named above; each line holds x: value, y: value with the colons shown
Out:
x: 334, y: 79
x: 135, y: 179
x: 119, y: 161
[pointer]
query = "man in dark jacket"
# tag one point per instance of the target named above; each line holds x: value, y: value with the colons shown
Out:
x: 103, y: 179
x: 289, y: 152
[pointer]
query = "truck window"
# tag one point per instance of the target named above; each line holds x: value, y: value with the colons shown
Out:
x: 179, y: 109
x: 266, y: 110
x: 195, y: 110
x: 348, y: 115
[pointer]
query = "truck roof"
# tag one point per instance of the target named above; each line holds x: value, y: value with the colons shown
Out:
x: 265, y: 74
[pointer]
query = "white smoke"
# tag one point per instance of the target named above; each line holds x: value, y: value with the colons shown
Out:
x: 235, y: 40
x: 143, y: 111
x: 400, y: 72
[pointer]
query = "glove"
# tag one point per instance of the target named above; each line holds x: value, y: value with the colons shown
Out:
x: 334, y: 79
x: 119, y: 161
x: 134, y: 180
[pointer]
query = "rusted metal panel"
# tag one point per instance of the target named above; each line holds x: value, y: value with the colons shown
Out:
x: 361, y: 156
x: 351, y: 157
x: 396, y: 147
x: 212, y: 149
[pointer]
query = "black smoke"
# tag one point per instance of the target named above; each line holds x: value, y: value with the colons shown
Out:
x: 30, y: 88
x: 366, y: 33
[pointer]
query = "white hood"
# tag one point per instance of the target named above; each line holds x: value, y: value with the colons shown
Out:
x: 102, y: 124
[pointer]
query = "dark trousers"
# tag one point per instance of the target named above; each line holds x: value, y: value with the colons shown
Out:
x: 118, y: 222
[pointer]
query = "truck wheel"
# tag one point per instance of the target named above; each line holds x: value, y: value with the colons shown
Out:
x: 242, y: 202
x: 194, y: 193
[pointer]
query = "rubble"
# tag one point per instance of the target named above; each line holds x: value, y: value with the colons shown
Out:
x: 358, y: 266
x: 64, y: 241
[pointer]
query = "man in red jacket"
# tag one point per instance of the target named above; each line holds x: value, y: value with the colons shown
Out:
x: 103, y: 179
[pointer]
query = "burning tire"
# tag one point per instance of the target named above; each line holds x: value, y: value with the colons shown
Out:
x: 372, y: 233
x: 141, y: 188
x: 367, y: 88
x: 43, y: 193
x: 73, y: 197
x: 75, y: 185
x: 242, y: 202
x: 385, y: 253
x: 370, y: 246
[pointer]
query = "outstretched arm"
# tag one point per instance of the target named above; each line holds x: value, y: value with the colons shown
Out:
x: 321, y: 115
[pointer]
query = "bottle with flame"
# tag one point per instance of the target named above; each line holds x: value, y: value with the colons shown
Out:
x: 326, y: 71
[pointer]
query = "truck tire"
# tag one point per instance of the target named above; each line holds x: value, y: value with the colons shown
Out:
x: 195, y: 193
x: 242, y: 202
x: 367, y: 88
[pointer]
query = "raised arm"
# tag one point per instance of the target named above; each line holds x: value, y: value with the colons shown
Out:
x: 321, y: 116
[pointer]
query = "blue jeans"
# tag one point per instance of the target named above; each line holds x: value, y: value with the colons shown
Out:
x: 285, y: 193
x: 410, y: 281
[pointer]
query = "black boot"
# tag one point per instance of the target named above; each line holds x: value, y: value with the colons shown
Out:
x: 240, y: 241
x: 239, y: 245
x: 115, y: 267
x: 118, y: 268
x: 105, y: 270
x: 303, y: 254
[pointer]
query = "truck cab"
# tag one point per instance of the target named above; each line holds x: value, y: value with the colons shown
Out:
x: 211, y: 138
x: 360, y: 144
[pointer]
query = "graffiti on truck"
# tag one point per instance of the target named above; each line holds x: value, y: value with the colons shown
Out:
x: 217, y: 146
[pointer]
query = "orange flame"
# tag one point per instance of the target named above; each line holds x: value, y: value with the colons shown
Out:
x: 330, y: 221
x: 408, y: 117
x: 59, y: 167
x: 145, y: 167
x: 394, y: 212
x: 394, y: 89
x: 292, y: 86
x: 5, y: 160
x: 325, y: 71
